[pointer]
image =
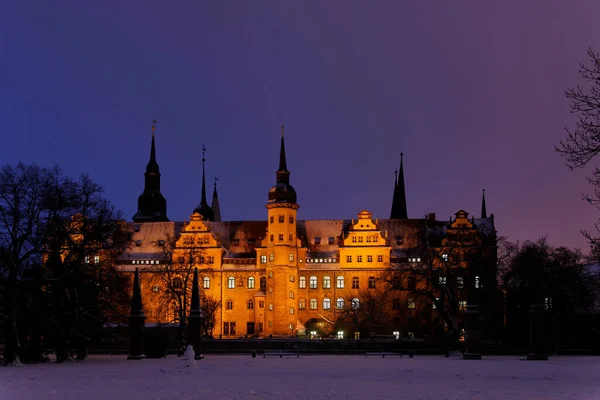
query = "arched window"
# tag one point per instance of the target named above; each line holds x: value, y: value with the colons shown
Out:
x: 263, y: 284
x: 326, y: 304
x: 371, y: 282
x: 177, y: 283
x: 250, y: 304
x: 302, y: 282
x: 206, y: 282
x: 313, y: 282
x: 231, y: 282
x: 326, y: 282
x: 355, y: 282
x: 340, y: 303
x: 229, y: 304
x: 340, y: 282
x: 251, y: 282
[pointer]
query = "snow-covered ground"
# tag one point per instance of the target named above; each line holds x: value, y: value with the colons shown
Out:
x: 307, y: 377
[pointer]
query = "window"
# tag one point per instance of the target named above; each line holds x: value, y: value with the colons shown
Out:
x: 355, y: 282
x: 291, y: 310
x: 368, y: 239
x: 263, y: 283
x: 477, y: 285
x: 340, y: 282
x: 291, y: 295
x: 291, y: 237
x: 272, y: 237
x: 445, y: 257
x: 302, y: 282
x: 250, y: 304
x: 301, y: 304
x: 226, y: 328
x: 260, y: 327
x: 548, y: 303
x: 291, y: 256
x: 270, y: 307
x: 462, y: 305
x: 229, y: 304
x: 232, y: 328
x: 379, y: 258
x: 251, y: 282
x: 313, y: 304
x: 353, y: 239
x: 263, y: 259
x: 358, y: 258
x: 87, y: 259
x: 436, y: 300
x: 313, y: 282
x: 206, y: 282
x: 349, y: 259
x: 442, y: 280
x: 355, y: 303
x: 231, y: 282
x: 250, y: 328
x: 326, y: 304
x: 317, y: 240
x: 291, y: 219
x: 177, y: 283
x: 261, y: 304
x: 281, y: 237
x: 412, y: 282
x: 331, y: 240
x: 96, y: 259
x: 460, y: 281
x: 396, y: 304
x: 211, y: 259
x: 340, y: 303
x: 281, y: 218
x: 340, y: 335
x: 271, y: 257
x: 326, y: 282
x: 369, y: 258
x: 371, y: 282
x: 410, y: 303
x: 292, y: 278
x: 272, y: 219
x: 155, y: 289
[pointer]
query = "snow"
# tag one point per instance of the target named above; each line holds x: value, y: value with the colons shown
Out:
x: 307, y: 377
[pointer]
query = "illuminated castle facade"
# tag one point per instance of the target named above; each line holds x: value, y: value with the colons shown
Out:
x: 284, y: 276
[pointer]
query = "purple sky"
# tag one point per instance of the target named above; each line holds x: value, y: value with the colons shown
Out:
x: 471, y: 91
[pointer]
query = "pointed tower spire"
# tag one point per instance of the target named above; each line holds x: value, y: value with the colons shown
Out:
x: 399, y: 201
x: 215, y: 202
x: 152, y: 206
x: 483, y: 209
x: 203, y: 208
x: 282, y: 192
x: 283, y: 175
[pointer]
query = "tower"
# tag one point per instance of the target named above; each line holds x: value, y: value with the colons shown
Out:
x: 282, y: 267
x: 203, y: 208
x: 152, y: 206
x: 483, y: 209
x: 399, y: 199
x: 215, y: 202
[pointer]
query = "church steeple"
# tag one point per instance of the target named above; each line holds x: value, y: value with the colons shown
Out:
x: 203, y: 208
x: 483, y: 209
x: 215, y: 202
x: 282, y: 192
x: 399, y: 198
x: 152, y: 206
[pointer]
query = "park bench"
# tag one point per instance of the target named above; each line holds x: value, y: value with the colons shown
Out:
x: 280, y: 353
x: 383, y: 354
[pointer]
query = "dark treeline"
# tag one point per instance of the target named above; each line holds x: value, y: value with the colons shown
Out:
x: 59, y: 239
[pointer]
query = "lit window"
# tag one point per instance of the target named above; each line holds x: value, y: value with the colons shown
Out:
x: 445, y: 257
x: 87, y: 259
x: 313, y: 304
x: 548, y: 303
x: 355, y: 282
x: 358, y: 258
x: 462, y: 305
x: 436, y: 300
x: 326, y: 304
x: 460, y: 281
x: 231, y: 282
x: 229, y: 304
x: 442, y: 280
x: 477, y: 285
x: 270, y: 306
x: 340, y: 303
x: 271, y: 257
x: 369, y: 258
x: 355, y: 303
x: 371, y: 282
x: 263, y: 259
x: 326, y: 282
x: 301, y: 304
x: 302, y: 282
x: 349, y: 259
x: 291, y: 295
x: 396, y: 335
x: 96, y: 259
x: 313, y: 282
x: 155, y: 289
x: 291, y: 256
x: 410, y: 303
x: 291, y: 312
x: 292, y: 278
x: 340, y: 335
x: 251, y: 282
x: 250, y: 304
x: 206, y: 282
x: 340, y: 282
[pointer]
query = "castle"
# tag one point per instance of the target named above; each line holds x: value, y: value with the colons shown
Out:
x: 285, y: 276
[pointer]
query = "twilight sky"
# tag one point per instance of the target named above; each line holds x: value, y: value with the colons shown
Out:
x: 471, y: 91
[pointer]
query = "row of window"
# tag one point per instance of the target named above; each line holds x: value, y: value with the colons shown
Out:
x: 281, y: 236
x: 340, y: 282
x: 96, y: 259
x: 192, y: 240
x: 147, y: 262
x: 230, y: 328
x: 359, y: 258
x: 368, y: 239
x: 281, y: 219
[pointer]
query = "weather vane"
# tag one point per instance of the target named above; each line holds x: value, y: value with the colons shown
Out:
x: 203, y: 150
x: 153, y: 125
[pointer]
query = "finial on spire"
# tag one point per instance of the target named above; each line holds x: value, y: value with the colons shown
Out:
x: 153, y: 126
x: 215, y: 179
x: 281, y: 130
x: 203, y: 151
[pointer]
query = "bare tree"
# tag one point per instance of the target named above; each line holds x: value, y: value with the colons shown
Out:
x: 582, y: 143
x: 367, y: 312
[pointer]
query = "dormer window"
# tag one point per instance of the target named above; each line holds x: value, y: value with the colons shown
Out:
x: 138, y: 243
x: 161, y: 242
x: 331, y: 240
x: 317, y: 240
x: 353, y: 239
